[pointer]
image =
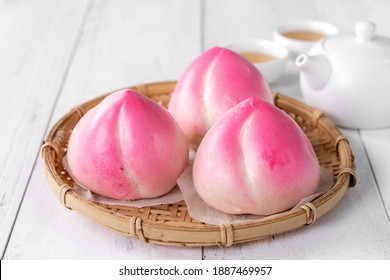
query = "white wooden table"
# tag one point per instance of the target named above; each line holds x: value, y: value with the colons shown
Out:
x: 55, y: 55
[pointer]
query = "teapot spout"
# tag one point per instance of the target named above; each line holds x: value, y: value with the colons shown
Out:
x: 315, y: 69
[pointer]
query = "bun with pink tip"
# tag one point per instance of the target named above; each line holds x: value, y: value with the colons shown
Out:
x: 211, y: 85
x: 255, y: 160
x: 127, y: 147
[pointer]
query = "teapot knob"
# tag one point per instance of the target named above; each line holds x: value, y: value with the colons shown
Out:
x: 365, y: 30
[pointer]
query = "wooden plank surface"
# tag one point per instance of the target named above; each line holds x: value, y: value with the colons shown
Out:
x: 63, y: 53
x: 122, y: 43
x: 377, y: 145
x: 229, y: 21
x: 37, y: 39
x: 131, y: 42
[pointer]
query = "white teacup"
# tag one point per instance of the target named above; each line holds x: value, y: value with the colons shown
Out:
x: 267, y: 56
x: 300, y: 35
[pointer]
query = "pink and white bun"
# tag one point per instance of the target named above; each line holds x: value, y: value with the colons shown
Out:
x: 127, y: 147
x: 255, y: 160
x: 215, y: 82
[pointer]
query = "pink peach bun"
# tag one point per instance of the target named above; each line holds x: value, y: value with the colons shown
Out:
x: 255, y: 160
x: 211, y: 85
x: 127, y: 147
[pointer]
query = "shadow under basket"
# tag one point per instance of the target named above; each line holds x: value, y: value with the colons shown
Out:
x: 171, y: 224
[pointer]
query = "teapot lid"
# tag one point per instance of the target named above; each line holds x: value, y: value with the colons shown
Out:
x: 363, y: 45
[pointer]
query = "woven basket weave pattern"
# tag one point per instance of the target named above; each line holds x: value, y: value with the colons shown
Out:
x: 171, y: 224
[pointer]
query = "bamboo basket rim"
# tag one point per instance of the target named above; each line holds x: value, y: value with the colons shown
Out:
x: 176, y: 227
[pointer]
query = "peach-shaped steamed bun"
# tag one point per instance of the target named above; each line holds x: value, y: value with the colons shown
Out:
x: 212, y: 84
x: 255, y: 160
x: 127, y: 147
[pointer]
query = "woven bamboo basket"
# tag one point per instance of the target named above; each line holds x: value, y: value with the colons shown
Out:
x: 171, y: 224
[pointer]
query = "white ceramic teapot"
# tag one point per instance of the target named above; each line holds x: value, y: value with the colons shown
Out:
x: 347, y: 76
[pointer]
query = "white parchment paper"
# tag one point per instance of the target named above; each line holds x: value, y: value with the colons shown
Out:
x: 201, y: 211
x: 197, y: 208
x: 173, y: 196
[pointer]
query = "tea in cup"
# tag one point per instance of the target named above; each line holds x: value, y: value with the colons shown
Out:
x: 300, y: 35
x: 267, y: 56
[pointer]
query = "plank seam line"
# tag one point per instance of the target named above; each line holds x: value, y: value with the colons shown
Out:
x: 373, y: 173
x: 202, y: 24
